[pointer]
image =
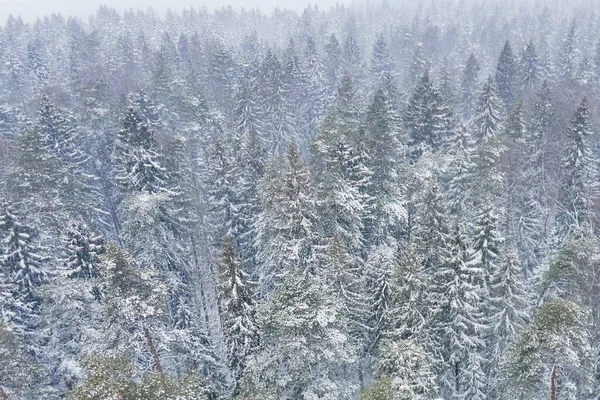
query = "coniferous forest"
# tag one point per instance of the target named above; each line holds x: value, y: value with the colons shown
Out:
x: 379, y: 202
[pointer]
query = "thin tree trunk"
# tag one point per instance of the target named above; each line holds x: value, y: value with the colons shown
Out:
x: 3, y: 393
x: 157, y: 364
x: 554, y: 383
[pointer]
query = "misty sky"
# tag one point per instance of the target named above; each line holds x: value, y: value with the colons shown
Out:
x: 30, y: 9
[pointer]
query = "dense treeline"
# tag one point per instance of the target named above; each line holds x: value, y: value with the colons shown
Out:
x: 383, y: 202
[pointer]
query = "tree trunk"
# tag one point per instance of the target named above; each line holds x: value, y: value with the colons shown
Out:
x: 554, y: 383
x: 3, y: 394
x: 157, y: 364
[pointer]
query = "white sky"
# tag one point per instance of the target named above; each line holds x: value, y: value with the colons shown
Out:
x: 30, y: 9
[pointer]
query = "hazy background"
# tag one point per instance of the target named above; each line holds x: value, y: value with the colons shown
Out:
x: 29, y: 10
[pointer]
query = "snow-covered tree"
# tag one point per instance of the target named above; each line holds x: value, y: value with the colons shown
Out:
x: 551, y: 357
x: 426, y: 118
x: 304, y: 350
x: 468, y: 87
x: 285, y: 232
x: 237, y: 309
x: 136, y: 158
x: 578, y: 176
x: 23, y: 265
x: 404, y: 371
x: 488, y: 117
x: 530, y: 67
x: 507, y: 78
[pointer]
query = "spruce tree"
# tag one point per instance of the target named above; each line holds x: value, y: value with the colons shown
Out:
x: 578, y: 173
x: 461, y: 172
x: 70, y: 311
x: 459, y: 321
x: 236, y: 309
x: 426, y: 118
x: 23, y: 264
x: 568, y: 53
x: 508, y: 309
x: 340, y: 202
x: 136, y: 158
x: 285, y: 233
x: 468, y: 87
x: 488, y: 117
x: 507, y: 75
x: 304, y: 350
x: 383, y: 153
x: 485, y: 252
x: 530, y: 68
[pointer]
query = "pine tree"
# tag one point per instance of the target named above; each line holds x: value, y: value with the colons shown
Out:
x: 304, y: 349
x: 577, y: 184
x: 507, y: 75
x: 551, y: 355
x: 134, y: 309
x: 237, y: 310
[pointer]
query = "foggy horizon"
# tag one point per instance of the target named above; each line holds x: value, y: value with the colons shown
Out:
x: 30, y: 10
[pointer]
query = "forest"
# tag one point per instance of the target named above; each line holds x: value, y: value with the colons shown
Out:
x: 384, y: 201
